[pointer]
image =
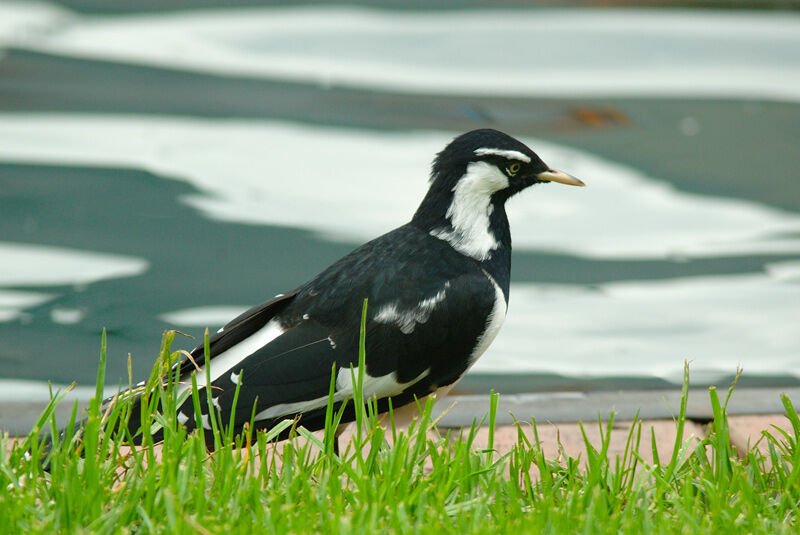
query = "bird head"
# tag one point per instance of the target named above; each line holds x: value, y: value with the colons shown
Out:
x: 470, y: 181
x: 494, y: 163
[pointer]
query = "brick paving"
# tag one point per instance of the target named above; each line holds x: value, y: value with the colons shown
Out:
x: 745, y: 430
x: 559, y: 439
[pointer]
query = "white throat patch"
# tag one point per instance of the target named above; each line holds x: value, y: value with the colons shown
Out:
x: 470, y: 210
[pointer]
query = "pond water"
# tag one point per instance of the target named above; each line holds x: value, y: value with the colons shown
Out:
x: 167, y: 170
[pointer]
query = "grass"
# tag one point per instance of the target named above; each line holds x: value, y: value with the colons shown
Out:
x: 423, y: 483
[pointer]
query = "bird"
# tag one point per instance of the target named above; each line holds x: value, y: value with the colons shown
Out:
x: 437, y: 291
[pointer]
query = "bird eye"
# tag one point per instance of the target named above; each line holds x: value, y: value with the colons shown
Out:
x: 513, y: 169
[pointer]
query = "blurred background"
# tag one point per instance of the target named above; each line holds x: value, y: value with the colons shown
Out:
x: 166, y: 164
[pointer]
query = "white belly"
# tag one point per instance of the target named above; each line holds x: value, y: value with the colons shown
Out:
x: 405, y: 414
x: 493, y: 322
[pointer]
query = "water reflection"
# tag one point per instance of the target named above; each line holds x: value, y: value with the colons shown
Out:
x: 169, y: 170
x: 647, y: 328
x: 520, y: 52
x: 255, y: 173
x: 37, y: 265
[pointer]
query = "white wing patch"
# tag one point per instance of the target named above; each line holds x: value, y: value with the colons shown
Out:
x: 381, y: 387
x: 470, y: 210
x: 229, y: 358
x: 407, y: 320
x: 513, y: 154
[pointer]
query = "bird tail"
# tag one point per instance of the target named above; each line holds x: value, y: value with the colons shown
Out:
x: 135, y: 416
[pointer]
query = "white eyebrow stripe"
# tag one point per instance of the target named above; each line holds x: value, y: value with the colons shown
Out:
x: 513, y: 154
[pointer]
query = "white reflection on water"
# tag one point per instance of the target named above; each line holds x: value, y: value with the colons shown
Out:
x: 520, y: 52
x: 633, y: 328
x: 358, y: 184
x: 788, y: 271
x: 318, y: 178
x: 354, y: 185
x: 210, y: 316
x: 22, y: 22
x: 45, y: 266
x: 14, y: 302
x: 649, y: 327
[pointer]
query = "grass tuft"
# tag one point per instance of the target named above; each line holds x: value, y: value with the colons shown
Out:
x: 394, y: 480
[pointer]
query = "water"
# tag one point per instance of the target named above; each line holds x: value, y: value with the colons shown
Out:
x: 168, y: 170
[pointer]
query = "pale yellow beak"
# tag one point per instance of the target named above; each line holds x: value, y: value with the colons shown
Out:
x: 553, y: 175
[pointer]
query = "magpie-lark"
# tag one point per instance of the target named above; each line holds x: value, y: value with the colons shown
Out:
x: 437, y: 290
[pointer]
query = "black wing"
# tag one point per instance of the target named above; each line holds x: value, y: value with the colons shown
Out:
x: 291, y: 375
x: 236, y: 330
x: 427, y: 310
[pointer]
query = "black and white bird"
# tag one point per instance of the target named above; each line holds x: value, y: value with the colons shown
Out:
x: 437, y: 290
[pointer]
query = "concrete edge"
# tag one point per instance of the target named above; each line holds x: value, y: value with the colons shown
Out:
x: 563, y: 407
x: 18, y: 416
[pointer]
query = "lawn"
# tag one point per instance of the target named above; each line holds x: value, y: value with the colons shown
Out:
x: 386, y: 480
